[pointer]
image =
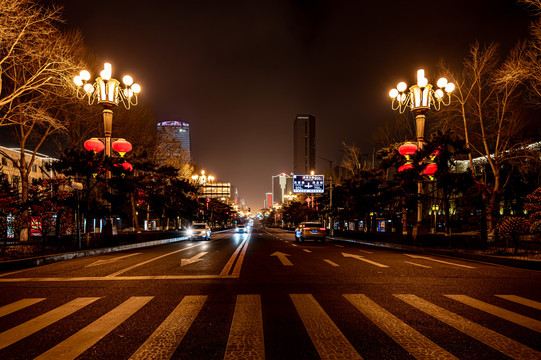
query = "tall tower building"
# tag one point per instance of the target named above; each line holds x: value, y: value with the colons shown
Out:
x: 304, y: 144
x: 180, y: 132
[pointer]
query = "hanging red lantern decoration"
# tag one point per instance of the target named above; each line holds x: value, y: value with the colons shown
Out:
x: 405, y: 167
x: 122, y: 146
x: 430, y: 169
x: 94, y: 144
x: 126, y: 166
x: 407, y: 149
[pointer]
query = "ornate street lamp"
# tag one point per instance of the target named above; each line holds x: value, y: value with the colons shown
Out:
x: 108, y: 92
x: 420, y: 98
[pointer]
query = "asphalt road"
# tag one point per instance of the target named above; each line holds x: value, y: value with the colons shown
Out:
x: 262, y: 295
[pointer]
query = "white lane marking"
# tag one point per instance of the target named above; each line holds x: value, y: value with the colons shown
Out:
x: 232, y: 259
x: 34, y: 325
x: 329, y: 341
x: 359, y: 257
x: 331, y: 262
x: 246, y: 338
x: 82, y: 340
x: 165, y: 339
x: 120, y: 278
x: 306, y: 250
x: 423, y: 266
x: 238, y: 265
x: 488, y: 337
x: 193, y: 259
x: 410, y: 339
x: 367, y: 252
x: 294, y: 245
x: 102, y: 262
x: 440, y: 261
x: 338, y: 245
x: 150, y: 260
x: 522, y: 320
x: 523, y: 301
x: 283, y: 258
x: 18, y: 305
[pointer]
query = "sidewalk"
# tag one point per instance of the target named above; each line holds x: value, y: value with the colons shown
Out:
x: 493, y: 259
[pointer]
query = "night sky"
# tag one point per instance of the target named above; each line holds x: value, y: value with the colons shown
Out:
x: 240, y: 71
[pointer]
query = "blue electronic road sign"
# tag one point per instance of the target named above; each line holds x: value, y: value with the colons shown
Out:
x: 309, y: 184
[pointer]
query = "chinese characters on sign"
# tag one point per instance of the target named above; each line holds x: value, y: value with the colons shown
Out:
x: 308, y: 184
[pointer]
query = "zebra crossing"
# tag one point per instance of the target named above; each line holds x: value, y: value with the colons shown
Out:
x: 246, y: 337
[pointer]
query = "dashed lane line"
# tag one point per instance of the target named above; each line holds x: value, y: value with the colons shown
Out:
x: 330, y: 262
x: 420, y: 265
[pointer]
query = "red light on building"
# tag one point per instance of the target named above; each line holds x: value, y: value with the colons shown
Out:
x: 94, y: 144
x: 122, y: 146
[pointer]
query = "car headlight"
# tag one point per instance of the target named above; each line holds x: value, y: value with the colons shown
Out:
x: 189, y: 232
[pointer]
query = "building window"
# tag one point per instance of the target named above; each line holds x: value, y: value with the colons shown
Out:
x: 4, y: 161
x: 34, y: 168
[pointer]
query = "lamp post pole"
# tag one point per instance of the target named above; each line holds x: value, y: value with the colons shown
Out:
x: 420, y: 98
x: 108, y: 92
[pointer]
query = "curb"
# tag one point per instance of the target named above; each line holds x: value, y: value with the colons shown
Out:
x: 518, y: 263
x: 48, y: 259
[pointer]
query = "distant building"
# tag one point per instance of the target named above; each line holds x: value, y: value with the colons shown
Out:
x: 180, y: 132
x: 304, y: 144
x: 216, y: 190
x: 37, y: 171
x: 282, y: 184
x: 268, y: 201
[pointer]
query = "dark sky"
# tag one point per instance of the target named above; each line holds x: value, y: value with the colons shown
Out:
x: 240, y: 71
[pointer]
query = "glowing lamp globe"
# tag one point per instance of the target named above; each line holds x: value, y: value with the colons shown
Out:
x: 430, y: 169
x: 94, y: 144
x: 405, y: 167
x: 407, y: 149
x: 122, y: 146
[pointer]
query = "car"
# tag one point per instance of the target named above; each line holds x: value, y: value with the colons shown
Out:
x: 310, y: 230
x: 240, y: 229
x: 199, y: 231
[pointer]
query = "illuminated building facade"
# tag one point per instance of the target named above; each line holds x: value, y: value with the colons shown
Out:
x: 180, y: 132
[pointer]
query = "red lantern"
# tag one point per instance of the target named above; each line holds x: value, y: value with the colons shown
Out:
x: 94, y: 144
x: 127, y: 166
x: 405, y: 167
x: 122, y: 146
x: 407, y: 149
x: 430, y: 169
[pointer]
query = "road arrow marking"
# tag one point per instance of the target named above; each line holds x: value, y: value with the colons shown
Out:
x: 101, y: 262
x: 440, y: 261
x: 283, y: 258
x: 193, y: 259
x: 359, y: 257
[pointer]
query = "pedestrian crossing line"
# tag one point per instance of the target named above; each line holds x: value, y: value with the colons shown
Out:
x: 18, y: 305
x: 165, y: 339
x: 411, y: 340
x: 491, y: 338
x: 329, y: 341
x: 36, y: 324
x: 522, y: 301
x: 420, y: 265
x: 150, y: 260
x: 519, y: 319
x: 246, y: 339
x: 330, y: 262
x: 82, y: 340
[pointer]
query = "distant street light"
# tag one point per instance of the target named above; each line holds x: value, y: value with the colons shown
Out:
x: 203, y: 178
x: 435, y: 209
x: 420, y: 98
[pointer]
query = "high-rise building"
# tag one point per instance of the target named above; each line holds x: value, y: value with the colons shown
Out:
x: 304, y: 144
x: 180, y: 132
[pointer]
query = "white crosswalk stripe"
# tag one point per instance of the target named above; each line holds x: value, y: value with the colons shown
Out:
x: 246, y: 338
x: 498, y: 311
x: 491, y: 338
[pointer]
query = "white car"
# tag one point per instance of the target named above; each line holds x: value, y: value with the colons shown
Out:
x: 199, y: 231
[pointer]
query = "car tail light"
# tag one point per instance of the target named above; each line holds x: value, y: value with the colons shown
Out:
x: 322, y: 229
x: 306, y: 229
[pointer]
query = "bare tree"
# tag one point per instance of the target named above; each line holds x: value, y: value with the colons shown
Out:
x: 36, y: 64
